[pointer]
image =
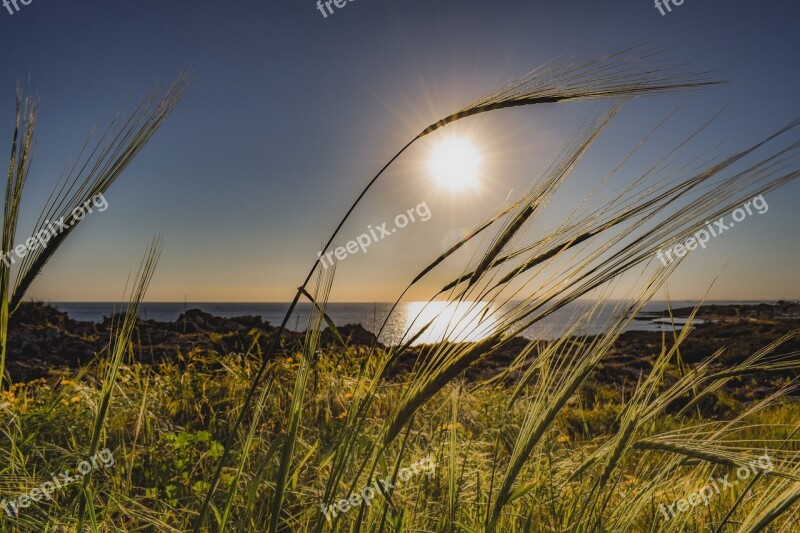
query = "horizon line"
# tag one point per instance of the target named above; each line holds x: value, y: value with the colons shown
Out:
x: 259, y: 302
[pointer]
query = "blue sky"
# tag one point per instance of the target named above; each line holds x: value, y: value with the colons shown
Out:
x: 290, y: 113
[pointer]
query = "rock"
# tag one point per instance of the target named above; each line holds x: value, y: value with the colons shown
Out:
x: 352, y: 334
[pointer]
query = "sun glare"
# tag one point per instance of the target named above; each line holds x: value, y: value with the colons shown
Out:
x: 450, y: 321
x: 455, y: 164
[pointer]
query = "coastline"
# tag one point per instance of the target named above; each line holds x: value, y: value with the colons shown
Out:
x: 43, y: 340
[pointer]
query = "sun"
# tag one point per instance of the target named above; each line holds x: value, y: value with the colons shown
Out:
x: 455, y: 164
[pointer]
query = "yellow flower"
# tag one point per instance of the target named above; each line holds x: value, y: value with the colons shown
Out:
x: 65, y: 382
x: 76, y: 398
x: 562, y: 438
x: 347, y: 395
x: 342, y: 414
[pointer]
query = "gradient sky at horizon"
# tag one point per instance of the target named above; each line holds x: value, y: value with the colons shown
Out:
x: 289, y: 114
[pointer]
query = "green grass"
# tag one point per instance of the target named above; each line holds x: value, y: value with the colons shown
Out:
x: 162, y: 422
x: 210, y: 442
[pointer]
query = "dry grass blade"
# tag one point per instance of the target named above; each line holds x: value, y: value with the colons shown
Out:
x: 328, y: 320
x: 779, y: 505
x: 453, y: 366
x: 93, y: 174
x: 463, y: 241
x: 566, y: 373
x: 313, y: 333
x: 18, y: 165
x: 116, y: 352
x: 613, y: 76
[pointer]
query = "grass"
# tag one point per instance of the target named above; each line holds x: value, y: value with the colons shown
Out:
x: 92, y: 173
x: 216, y: 442
x: 162, y: 422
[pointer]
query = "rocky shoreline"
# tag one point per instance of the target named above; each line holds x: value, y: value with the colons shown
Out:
x: 42, y: 338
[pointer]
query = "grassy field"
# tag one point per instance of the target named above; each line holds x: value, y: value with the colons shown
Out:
x: 605, y: 462
x: 274, y: 438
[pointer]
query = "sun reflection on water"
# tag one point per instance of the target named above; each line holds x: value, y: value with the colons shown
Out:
x: 451, y: 321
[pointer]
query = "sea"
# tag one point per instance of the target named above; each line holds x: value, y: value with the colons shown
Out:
x: 465, y: 321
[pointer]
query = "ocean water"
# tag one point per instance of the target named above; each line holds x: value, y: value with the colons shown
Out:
x: 475, y: 320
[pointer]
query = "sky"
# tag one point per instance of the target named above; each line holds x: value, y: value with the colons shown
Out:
x: 290, y: 113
